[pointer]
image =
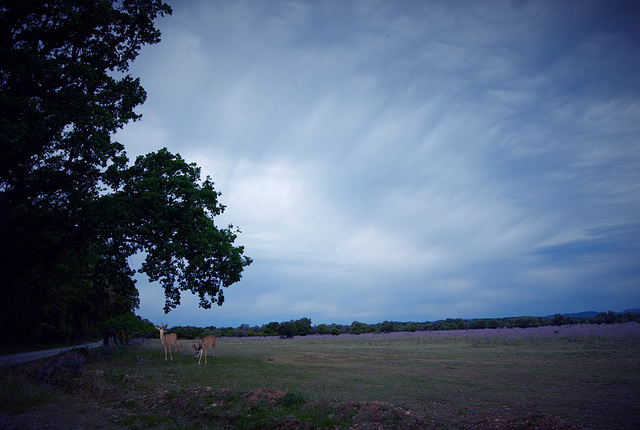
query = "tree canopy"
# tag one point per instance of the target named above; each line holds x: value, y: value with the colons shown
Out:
x: 73, y: 208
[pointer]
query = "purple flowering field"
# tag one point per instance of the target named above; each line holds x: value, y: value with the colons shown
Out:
x: 629, y: 330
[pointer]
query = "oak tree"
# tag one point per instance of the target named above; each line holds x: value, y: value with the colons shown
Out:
x: 73, y: 209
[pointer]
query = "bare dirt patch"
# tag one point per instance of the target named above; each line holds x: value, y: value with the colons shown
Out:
x: 359, y: 416
x: 380, y: 415
x: 264, y: 395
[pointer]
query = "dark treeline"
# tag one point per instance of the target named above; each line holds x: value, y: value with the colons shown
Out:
x: 74, y: 208
x: 303, y: 326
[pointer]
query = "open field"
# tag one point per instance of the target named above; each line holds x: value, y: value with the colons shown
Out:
x: 551, y: 377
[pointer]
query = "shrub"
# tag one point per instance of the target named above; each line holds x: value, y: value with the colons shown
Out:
x: 294, y: 399
x: 322, y: 329
x: 358, y: 328
x: 387, y: 327
x: 128, y: 326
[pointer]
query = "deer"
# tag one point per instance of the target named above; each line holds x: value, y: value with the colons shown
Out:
x: 168, y: 340
x: 204, y: 344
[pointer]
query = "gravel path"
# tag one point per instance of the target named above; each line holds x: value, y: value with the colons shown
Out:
x: 25, y: 357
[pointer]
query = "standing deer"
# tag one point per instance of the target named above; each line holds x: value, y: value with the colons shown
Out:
x: 168, y: 340
x: 205, y: 343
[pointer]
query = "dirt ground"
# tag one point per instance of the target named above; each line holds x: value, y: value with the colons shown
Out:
x: 72, y: 413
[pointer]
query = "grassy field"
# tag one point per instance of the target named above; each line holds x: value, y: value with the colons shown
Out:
x: 443, y: 381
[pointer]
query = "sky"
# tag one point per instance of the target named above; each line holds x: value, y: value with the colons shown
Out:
x: 405, y: 160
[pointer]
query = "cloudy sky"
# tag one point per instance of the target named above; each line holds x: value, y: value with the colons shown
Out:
x: 406, y: 160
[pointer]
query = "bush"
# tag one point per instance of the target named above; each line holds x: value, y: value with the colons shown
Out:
x: 293, y: 399
x: 322, y: 329
x: 129, y: 326
x: 357, y: 328
x: 605, y: 318
x: 387, y: 327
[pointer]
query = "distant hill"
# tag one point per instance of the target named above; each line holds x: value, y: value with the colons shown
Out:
x: 589, y: 314
x: 585, y: 314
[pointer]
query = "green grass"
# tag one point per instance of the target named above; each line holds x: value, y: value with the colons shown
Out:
x: 17, y: 393
x: 451, y: 381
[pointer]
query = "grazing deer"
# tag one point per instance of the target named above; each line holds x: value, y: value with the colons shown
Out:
x: 168, y: 340
x: 205, y: 343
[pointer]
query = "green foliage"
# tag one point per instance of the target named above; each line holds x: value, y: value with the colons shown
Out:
x: 287, y: 329
x: 493, y: 323
x: 72, y: 211
x: 129, y: 326
x: 387, y: 327
x: 18, y: 392
x: 524, y: 322
x: 271, y: 329
x: 322, y: 329
x: 129, y: 322
x: 161, y: 208
x: 301, y: 327
x: 411, y: 327
x: 478, y: 324
x: 242, y: 331
x: 190, y: 332
x: 628, y: 317
x: 559, y: 319
x: 358, y: 328
x: 606, y: 318
x: 293, y: 399
x: 291, y: 328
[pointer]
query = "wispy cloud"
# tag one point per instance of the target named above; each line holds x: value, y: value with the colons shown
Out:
x: 407, y: 160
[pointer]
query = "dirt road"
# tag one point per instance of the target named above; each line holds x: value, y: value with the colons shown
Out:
x: 25, y: 357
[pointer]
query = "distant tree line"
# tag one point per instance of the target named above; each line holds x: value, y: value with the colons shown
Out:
x: 304, y: 326
x: 288, y: 329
